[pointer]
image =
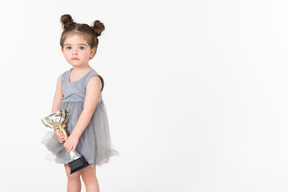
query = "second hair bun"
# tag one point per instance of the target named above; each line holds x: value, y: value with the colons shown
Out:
x: 98, y: 27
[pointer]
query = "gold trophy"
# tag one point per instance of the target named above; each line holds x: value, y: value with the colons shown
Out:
x: 56, y: 121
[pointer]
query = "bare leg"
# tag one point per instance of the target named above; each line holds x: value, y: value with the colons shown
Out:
x: 73, y: 181
x: 90, y: 180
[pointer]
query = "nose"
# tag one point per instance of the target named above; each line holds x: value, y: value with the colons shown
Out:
x: 74, y: 52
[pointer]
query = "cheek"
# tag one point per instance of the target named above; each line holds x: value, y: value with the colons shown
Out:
x: 88, y: 54
x: 66, y: 54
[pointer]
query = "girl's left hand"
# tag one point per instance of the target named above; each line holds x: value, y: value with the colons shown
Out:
x: 71, y: 143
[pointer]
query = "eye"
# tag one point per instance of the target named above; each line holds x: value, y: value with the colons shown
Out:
x: 68, y: 47
x: 81, y: 48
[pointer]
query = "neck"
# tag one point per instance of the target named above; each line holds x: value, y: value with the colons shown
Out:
x: 83, y: 68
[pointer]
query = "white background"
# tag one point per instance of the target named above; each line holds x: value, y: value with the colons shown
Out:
x: 196, y: 93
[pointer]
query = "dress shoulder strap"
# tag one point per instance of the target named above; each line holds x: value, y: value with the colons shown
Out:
x: 91, y: 74
x: 65, y: 77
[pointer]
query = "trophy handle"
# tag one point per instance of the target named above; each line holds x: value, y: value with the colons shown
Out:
x: 62, y: 130
x: 73, y: 155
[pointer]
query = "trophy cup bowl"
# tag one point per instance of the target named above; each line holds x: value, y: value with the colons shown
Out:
x: 56, y: 121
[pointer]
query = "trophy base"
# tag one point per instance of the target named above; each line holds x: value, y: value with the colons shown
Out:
x: 77, y: 164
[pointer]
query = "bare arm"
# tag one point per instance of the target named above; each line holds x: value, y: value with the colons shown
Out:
x: 92, y: 94
x: 58, y: 96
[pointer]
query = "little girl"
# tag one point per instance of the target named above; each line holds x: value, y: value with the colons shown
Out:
x: 80, y: 90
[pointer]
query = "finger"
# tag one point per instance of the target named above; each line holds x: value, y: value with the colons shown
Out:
x: 69, y: 149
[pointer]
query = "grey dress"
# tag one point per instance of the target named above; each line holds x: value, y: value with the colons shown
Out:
x: 95, y: 143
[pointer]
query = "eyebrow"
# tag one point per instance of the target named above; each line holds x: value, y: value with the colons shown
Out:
x: 77, y: 44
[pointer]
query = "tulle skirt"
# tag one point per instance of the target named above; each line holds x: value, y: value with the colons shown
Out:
x: 95, y: 142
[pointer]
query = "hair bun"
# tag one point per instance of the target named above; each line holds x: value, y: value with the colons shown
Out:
x: 98, y: 27
x: 66, y: 21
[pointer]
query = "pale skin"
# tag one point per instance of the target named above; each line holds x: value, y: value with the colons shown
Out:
x: 77, y: 52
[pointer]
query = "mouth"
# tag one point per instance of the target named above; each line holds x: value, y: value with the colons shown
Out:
x: 75, y: 59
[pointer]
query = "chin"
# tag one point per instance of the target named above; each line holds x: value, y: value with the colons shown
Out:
x: 76, y: 64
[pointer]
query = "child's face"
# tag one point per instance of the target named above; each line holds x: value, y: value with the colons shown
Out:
x: 77, y: 51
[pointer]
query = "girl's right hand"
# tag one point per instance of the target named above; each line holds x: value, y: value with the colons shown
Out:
x: 60, y: 135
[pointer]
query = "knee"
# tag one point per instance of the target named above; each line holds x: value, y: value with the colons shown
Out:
x: 88, y: 174
x: 74, y: 176
x: 88, y: 177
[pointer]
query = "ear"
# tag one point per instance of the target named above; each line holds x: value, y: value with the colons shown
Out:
x: 92, y: 53
x: 62, y: 49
